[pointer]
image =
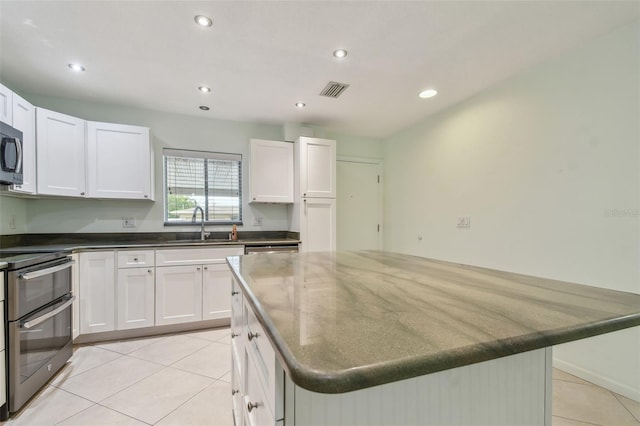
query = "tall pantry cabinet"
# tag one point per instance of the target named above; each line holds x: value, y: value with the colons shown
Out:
x: 313, y: 213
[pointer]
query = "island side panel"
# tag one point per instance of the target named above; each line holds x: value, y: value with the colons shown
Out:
x: 513, y: 390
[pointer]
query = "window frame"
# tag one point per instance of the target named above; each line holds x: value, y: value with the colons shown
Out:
x: 206, y: 156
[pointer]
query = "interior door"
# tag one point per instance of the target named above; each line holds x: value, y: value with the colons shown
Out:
x: 359, y: 205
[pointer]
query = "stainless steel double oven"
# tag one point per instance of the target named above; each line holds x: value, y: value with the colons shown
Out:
x: 38, y: 320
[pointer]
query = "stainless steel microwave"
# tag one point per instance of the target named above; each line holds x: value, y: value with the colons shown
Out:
x: 10, y: 155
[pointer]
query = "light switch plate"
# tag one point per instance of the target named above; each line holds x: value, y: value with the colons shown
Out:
x: 128, y: 222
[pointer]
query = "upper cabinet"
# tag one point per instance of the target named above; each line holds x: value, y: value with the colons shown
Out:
x: 271, y: 171
x: 60, y: 154
x: 317, y: 162
x: 24, y: 119
x: 77, y: 158
x: 6, y: 103
x: 119, y: 161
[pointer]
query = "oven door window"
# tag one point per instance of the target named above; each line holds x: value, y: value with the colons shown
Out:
x: 41, y: 290
x: 41, y: 341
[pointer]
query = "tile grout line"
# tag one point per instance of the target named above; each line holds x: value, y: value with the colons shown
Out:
x: 196, y: 394
x: 615, y: 395
x: 577, y: 420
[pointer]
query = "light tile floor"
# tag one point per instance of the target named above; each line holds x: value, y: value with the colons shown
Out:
x: 183, y: 379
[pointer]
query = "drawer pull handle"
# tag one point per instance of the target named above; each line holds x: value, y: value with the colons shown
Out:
x: 234, y: 391
x: 234, y: 292
x: 252, y: 405
x: 135, y: 259
x: 234, y: 335
x: 252, y: 336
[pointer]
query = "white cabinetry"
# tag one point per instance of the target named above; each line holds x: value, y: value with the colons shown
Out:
x: 317, y: 167
x: 271, y: 170
x: 97, y: 291
x: 24, y: 119
x: 119, y: 161
x: 257, y: 379
x: 178, y: 294
x: 60, y: 154
x: 318, y: 224
x: 135, y: 289
x: 193, y: 284
x: 6, y: 111
x: 313, y: 212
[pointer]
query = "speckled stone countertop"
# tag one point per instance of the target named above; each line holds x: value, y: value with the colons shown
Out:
x: 350, y: 320
x: 108, y: 241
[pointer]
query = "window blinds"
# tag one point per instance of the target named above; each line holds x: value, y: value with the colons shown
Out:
x: 210, y: 180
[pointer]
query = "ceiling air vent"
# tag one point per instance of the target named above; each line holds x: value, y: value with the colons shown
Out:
x: 333, y: 89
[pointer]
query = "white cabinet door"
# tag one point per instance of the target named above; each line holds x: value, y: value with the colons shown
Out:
x: 24, y: 119
x: 271, y: 170
x: 97, y: 291
x: 60, y: 154
x: 178, y: 294
x: 6, y: 105
x: 216, y: 291
x: 136, y: 298
x: 318, y: 225
x: 118, y: 161
x: 317, y: 167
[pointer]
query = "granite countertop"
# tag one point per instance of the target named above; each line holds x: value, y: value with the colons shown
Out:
x: 349, y: 320
x: 80, y: 242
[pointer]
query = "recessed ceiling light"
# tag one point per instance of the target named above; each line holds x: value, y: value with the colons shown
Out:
x: 204, y: 21
x: 204, y: 107
x: 301, y: 104
x: 429, y: 93
x: 204, y: 89
x: 340, y: 53
x: 76, y: 67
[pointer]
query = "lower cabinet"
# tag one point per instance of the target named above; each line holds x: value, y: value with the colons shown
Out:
x: 97, y: 291
x: 127, y: 289
x: 135, y: 290
x: 178, y: 294
x: 257, y: 377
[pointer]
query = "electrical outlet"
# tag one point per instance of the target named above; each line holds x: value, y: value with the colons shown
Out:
x: 128, y: 222
x: 12, y: 222
x: 257, y: 221
x: 463, y: 222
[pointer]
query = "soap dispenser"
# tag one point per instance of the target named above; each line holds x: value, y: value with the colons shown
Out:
x: 234, y: 233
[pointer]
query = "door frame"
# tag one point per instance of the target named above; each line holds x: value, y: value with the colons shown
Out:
x: 380, y: 163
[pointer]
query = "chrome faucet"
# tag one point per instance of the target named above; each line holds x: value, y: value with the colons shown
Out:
x: 203, y: 235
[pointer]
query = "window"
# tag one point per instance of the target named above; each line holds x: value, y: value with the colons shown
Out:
x: 210, y: 180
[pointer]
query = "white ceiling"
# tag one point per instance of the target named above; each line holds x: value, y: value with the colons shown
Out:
x: 261, y: 57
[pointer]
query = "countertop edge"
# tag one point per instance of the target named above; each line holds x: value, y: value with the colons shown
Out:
x: 382, y: 373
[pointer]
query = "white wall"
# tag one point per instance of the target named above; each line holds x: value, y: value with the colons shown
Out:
x: 547, y: 165
x: 13, y: 207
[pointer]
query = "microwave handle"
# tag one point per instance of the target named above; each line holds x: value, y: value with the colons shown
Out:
x: 36, y: 274
x: 19, y: 151
x: 43, y: 318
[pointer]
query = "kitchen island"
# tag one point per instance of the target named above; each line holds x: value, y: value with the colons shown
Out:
x: 382, y: 338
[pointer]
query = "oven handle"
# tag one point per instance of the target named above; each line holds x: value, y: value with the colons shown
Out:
x: 42, y: 272
x: 43, y: 318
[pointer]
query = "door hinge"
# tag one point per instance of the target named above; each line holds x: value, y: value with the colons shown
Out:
x: 378, y: 178
x: 378, y: 227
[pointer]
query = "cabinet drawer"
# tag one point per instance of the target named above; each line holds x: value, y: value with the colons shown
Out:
x: 170, y: 257
x: 258, y: 346
x: 237, y: 391
x: 237, y: 334
x: 135, y: 258
x: 257, y: 410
